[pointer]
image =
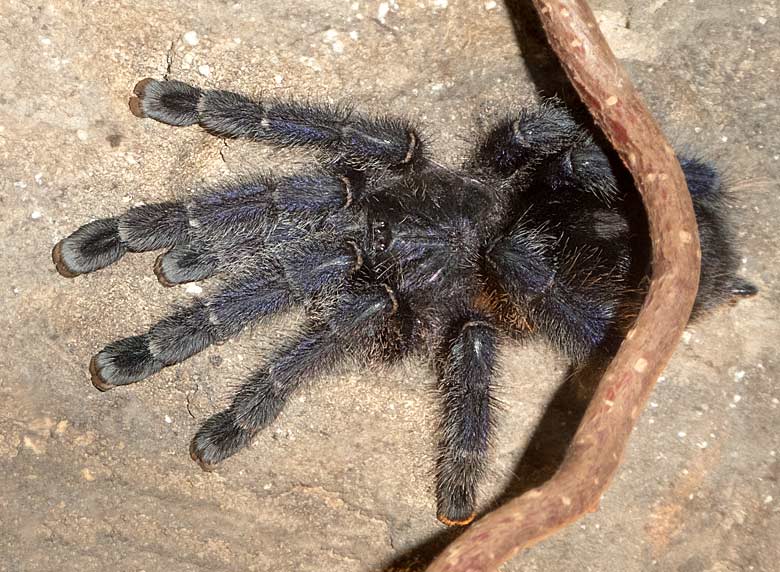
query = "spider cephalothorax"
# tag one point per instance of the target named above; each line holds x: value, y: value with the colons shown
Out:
x: 392, y: 253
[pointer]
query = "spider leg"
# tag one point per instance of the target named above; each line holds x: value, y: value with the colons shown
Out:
x: 225, y: 226
x: 199, y: 231
x: 583, y: 168
x: 355, y: 138
x: 575, y: 312
x: 221, y: 316
x: 523, y: 140
x: 549, y: 150
x: 102, y: 242
x: 467, y: 372
x: 312, y: 352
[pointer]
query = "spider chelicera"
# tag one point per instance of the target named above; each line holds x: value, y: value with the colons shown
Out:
x: 390, y: 252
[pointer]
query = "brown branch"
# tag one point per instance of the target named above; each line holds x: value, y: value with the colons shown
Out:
x: 597, y: 449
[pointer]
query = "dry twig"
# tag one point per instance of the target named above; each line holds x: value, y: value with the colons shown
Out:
x: 597, y: 448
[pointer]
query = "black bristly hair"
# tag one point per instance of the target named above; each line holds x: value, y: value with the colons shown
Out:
x: 540, y: 232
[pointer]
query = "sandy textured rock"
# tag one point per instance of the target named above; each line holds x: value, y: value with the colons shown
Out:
x: 343, y: 480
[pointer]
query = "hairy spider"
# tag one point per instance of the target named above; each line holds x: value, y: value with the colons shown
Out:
x: 390, y: 252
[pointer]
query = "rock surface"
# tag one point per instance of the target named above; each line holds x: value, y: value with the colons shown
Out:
x: 343, y: 480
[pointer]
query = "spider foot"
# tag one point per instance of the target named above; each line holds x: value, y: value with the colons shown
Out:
x: 136, y: 108
x: 172, y: 102
x: 464, y: 522
x: 217, y: 439
x: 456, y: 516
x: 181, y: 265
x: 60, y: 264
x: 92, y: 247
x: 455, y: 508
x: 122, y: 362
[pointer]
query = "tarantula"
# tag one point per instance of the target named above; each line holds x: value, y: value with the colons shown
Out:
x: 391, y: 252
